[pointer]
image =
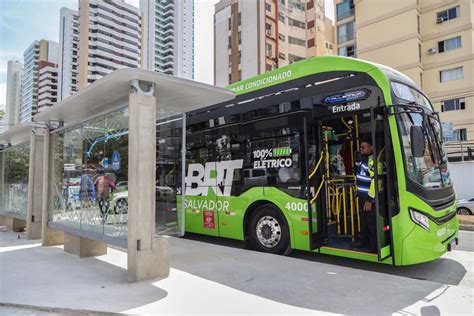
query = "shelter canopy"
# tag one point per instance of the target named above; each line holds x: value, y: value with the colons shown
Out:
x: 112, y: 92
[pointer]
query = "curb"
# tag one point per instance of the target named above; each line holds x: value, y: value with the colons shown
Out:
x: 61, y: 310
x: 466, y: 227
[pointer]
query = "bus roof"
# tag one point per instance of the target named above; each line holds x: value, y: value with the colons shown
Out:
x: 316, y: 65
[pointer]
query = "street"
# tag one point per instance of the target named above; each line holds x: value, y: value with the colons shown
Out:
x: 211, y: 275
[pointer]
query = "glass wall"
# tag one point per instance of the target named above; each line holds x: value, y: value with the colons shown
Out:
x: 89, y: 176
x: 169, y: 145
x: 14, y: 187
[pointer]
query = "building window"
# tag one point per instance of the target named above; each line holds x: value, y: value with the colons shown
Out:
x: 230, y: 78
x: 418, y: 23
x: 345, y: 9
x: 310, y: 4
x: 345, y: 32
x: 449, y: 44
x: 239, y: 37
x: 229, y: 44
x: 348, y: 51
x: 311, y: 42
x: 453, y: 105
x: 451, y: 74
x: 293, y: 22
x: 293, y: 58
x: 281, y: 18
x: 269, y: 50
x: 310, y: 24
x: 282, y: 56
x: 268, y: 7
x: 419, y: 53
x: 281, y: 37
x: 446, y: 15
x: 239, y: 17
x: 268, y: 67
x: 296, y: 41
x: 268, y: 28
x: 230, y: 23
x: 462, y: 134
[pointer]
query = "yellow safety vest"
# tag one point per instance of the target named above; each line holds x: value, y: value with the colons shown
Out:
x: 370, y: 165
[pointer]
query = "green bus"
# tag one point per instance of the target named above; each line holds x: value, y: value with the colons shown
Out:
x: 275, y: 167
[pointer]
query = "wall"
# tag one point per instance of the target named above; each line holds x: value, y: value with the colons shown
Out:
x: 461, y: 175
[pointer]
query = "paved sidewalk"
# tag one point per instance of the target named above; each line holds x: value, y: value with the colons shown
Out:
x: 207, y: 278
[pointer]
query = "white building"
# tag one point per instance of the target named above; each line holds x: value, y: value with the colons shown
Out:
x: 42, y: 50
x: 110, y: 36
x: 68, y: 43
x: 168, y: 39
x: 12, y: 109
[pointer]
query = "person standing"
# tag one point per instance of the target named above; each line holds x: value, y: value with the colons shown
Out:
x: 366, y: 195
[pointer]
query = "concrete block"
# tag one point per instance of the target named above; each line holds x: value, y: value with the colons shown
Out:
x: 83, y: 247
x: 12, y: 224
x: 51, y: 237
x: 150, y: 263
x: 34, y: 230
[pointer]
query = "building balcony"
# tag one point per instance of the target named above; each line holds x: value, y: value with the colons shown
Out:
x: 345, y: 37
x: 342, y: 15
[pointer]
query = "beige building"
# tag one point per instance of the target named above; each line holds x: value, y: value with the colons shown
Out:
x: 252, y: 37
x: 110, y: 38
x: 431, y: 41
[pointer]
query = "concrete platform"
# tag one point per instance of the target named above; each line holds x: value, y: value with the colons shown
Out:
x: 208, y: 278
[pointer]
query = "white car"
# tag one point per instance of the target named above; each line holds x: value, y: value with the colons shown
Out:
x: 466, y: 206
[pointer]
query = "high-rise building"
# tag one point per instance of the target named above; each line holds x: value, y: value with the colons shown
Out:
x: 42, y: 50
x: 110, y: 38
x: 431, y: 42
x: 47, y: 85
x: 68, y: 44
x: 12, y: 109
x: 252, y: 37
x: 168, y: 38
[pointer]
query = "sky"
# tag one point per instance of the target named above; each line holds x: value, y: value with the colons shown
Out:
x: 24, y: 21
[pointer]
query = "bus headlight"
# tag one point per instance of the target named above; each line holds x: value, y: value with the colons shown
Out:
x: 420, y: 219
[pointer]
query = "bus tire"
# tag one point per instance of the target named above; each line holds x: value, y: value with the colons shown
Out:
x: 268, y: 230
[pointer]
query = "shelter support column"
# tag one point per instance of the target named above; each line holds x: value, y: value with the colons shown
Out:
x: 35, y: 184
x: 50, y: 237
x: 148, y: 257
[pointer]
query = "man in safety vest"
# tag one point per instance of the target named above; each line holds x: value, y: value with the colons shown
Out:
x: 366, y: 194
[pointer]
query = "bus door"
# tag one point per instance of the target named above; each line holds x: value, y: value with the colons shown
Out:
x: 316, y: 184
x: 381, y: 145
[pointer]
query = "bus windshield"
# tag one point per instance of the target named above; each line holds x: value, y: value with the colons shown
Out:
x: 431, y: 170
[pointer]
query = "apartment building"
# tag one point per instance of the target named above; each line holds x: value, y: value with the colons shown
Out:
x: 252, y: 37
x: 38, y: 51
x: 168, y: 36
x: 68, y: 46
x: 12, y: 109
x: 110, y: 38
x: 47, y: 85
x: 431, y: 41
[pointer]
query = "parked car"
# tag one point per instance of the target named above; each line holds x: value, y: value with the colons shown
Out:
x: 466, y: 206
x: 119, y: 202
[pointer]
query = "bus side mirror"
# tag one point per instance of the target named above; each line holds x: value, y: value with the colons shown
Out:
x: 358, y: 156
x: 417, y: 141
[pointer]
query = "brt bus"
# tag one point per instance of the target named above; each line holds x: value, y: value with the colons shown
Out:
x: 275, y: 167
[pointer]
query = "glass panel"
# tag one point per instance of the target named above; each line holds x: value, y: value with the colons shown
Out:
x: 14, y: 189
x: 89, y: 174
x: 169, y: 143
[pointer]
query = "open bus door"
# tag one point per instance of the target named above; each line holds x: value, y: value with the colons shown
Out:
x: 316, y: 184
x: 382, y: 184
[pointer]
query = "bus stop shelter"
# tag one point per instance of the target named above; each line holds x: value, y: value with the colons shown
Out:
x: 21, y: 154
x: 114, y: 158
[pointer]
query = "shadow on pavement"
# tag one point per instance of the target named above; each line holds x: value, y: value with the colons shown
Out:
x: 318, y: 282
x: 52, y: 278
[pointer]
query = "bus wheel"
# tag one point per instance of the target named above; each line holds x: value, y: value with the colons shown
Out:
x: 268, y: 230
